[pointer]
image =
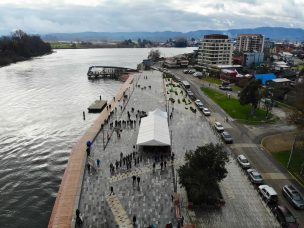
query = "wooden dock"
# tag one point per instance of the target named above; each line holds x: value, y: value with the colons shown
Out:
x: 97, y: 106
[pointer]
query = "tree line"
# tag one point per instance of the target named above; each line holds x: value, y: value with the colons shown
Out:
x: 20, y: 46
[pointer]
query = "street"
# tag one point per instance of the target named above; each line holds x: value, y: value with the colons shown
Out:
x: 247, y: 142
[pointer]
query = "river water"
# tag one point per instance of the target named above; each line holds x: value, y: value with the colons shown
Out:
x: 41, y: 105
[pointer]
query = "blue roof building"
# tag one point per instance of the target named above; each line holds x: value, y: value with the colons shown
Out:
x: 265, y: 77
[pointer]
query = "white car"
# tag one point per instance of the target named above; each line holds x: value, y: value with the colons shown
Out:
x: 268, y: 193
x: 197, y: 74
x: 254, y: 176
x: 206, y: 112
x: 242, y: 160
x: 199, y: 104
x: 219, y: 127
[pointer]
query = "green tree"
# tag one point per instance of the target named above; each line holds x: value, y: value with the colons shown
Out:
x: 203, y: 170
x: 154, y: 55
x: 251, y: 95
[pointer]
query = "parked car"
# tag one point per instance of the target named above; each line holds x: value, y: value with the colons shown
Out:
x: 293, y: 196
x: 226, y: 137
x: 254, y: 176
x: 191, y: 71
x: 199, y: 104
x: 268, y: 194
x: 242, y: 160
x: 185, y: 71
x: 206, y: 112
x: 197, y: 74
x: 188, y: 91
x: 225, y: 88
x: 219, y: 127
x: 285, y: 217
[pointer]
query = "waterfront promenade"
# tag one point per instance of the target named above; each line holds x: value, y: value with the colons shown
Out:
x: 150, y: 200
x: 68, y: 195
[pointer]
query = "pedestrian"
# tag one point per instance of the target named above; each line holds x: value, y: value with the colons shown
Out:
x: 89, y: 168
x: 79, y: 220
x: 114, y: 98
x: 165, y: 164
x: 98, y: 163
x: 226, y: 118
x: 138, y: 180
x: 134, y: 179
x: 112, y: 190
x: 88, y: 151
x: 134, y: 220
x: 161, y: 165
x: 153, y: 167
x: 121, y: 155
x: 116, y: 164
x: 172, y: 198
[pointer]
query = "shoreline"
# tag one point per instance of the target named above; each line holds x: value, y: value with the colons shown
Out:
x: 68, y: 195
x: 26, y: 59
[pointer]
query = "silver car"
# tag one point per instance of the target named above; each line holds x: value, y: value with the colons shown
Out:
x: 254, y: 176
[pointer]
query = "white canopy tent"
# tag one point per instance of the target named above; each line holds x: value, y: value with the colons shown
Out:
x: 154, y: 130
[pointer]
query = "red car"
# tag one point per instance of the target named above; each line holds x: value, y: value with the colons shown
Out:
x: 285, y: 218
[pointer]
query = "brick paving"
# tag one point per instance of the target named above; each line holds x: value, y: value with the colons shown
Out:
x: 151, y: 201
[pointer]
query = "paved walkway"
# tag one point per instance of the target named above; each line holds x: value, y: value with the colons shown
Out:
x: 150, y: 200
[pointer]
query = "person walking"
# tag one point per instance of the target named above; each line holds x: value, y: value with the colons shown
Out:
x: 165, y: 164
x: 98, y: 163
x: 138, y: 180
x: 153, y: 167
x: 161, y: 165
x: 134, y: 179
x: 112, y: 190
x: 134, y: 220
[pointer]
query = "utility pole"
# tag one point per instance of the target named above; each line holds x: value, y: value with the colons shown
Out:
x: 292, y: 150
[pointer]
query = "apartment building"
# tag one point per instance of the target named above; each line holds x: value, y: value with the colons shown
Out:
x: 215, y: 49
x: 250, y: 43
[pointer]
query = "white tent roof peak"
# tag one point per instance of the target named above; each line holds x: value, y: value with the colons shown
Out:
x: 154, y: 130
x: 158, y: 112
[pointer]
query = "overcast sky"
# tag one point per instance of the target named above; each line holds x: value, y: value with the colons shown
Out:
x: 48, y: 16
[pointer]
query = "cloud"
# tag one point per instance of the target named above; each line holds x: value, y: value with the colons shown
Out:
x: 47, y: 16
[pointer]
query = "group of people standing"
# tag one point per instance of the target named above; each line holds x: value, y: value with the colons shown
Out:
x: 125, y: 161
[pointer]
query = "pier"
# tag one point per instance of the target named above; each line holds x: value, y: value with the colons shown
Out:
x: 97, y: 106
x: 112, y: 72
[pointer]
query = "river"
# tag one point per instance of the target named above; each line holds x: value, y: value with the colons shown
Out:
x: 41, y: 102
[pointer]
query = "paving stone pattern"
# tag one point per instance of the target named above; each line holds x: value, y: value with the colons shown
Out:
x: 150, y: 200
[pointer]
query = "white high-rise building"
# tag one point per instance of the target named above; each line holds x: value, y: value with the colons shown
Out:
x: 215, y: 49
x: 250, y: 43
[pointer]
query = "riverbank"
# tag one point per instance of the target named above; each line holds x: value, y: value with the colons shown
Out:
x: 20, y: 46
x: 7, y: 61
x: 69, y: 192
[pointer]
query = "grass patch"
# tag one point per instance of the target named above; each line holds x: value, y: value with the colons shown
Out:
x: 299, y: 67
x: 236, y: 88
x: 295, y: 164
x: 213, y: 80
x: 235, y: 110
x: 59, y: 45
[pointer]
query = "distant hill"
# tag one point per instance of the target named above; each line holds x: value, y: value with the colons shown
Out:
x: 274, y: 33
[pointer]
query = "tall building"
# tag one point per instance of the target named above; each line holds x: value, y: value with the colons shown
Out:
x: 215, y: 49
x: 250, y: 43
